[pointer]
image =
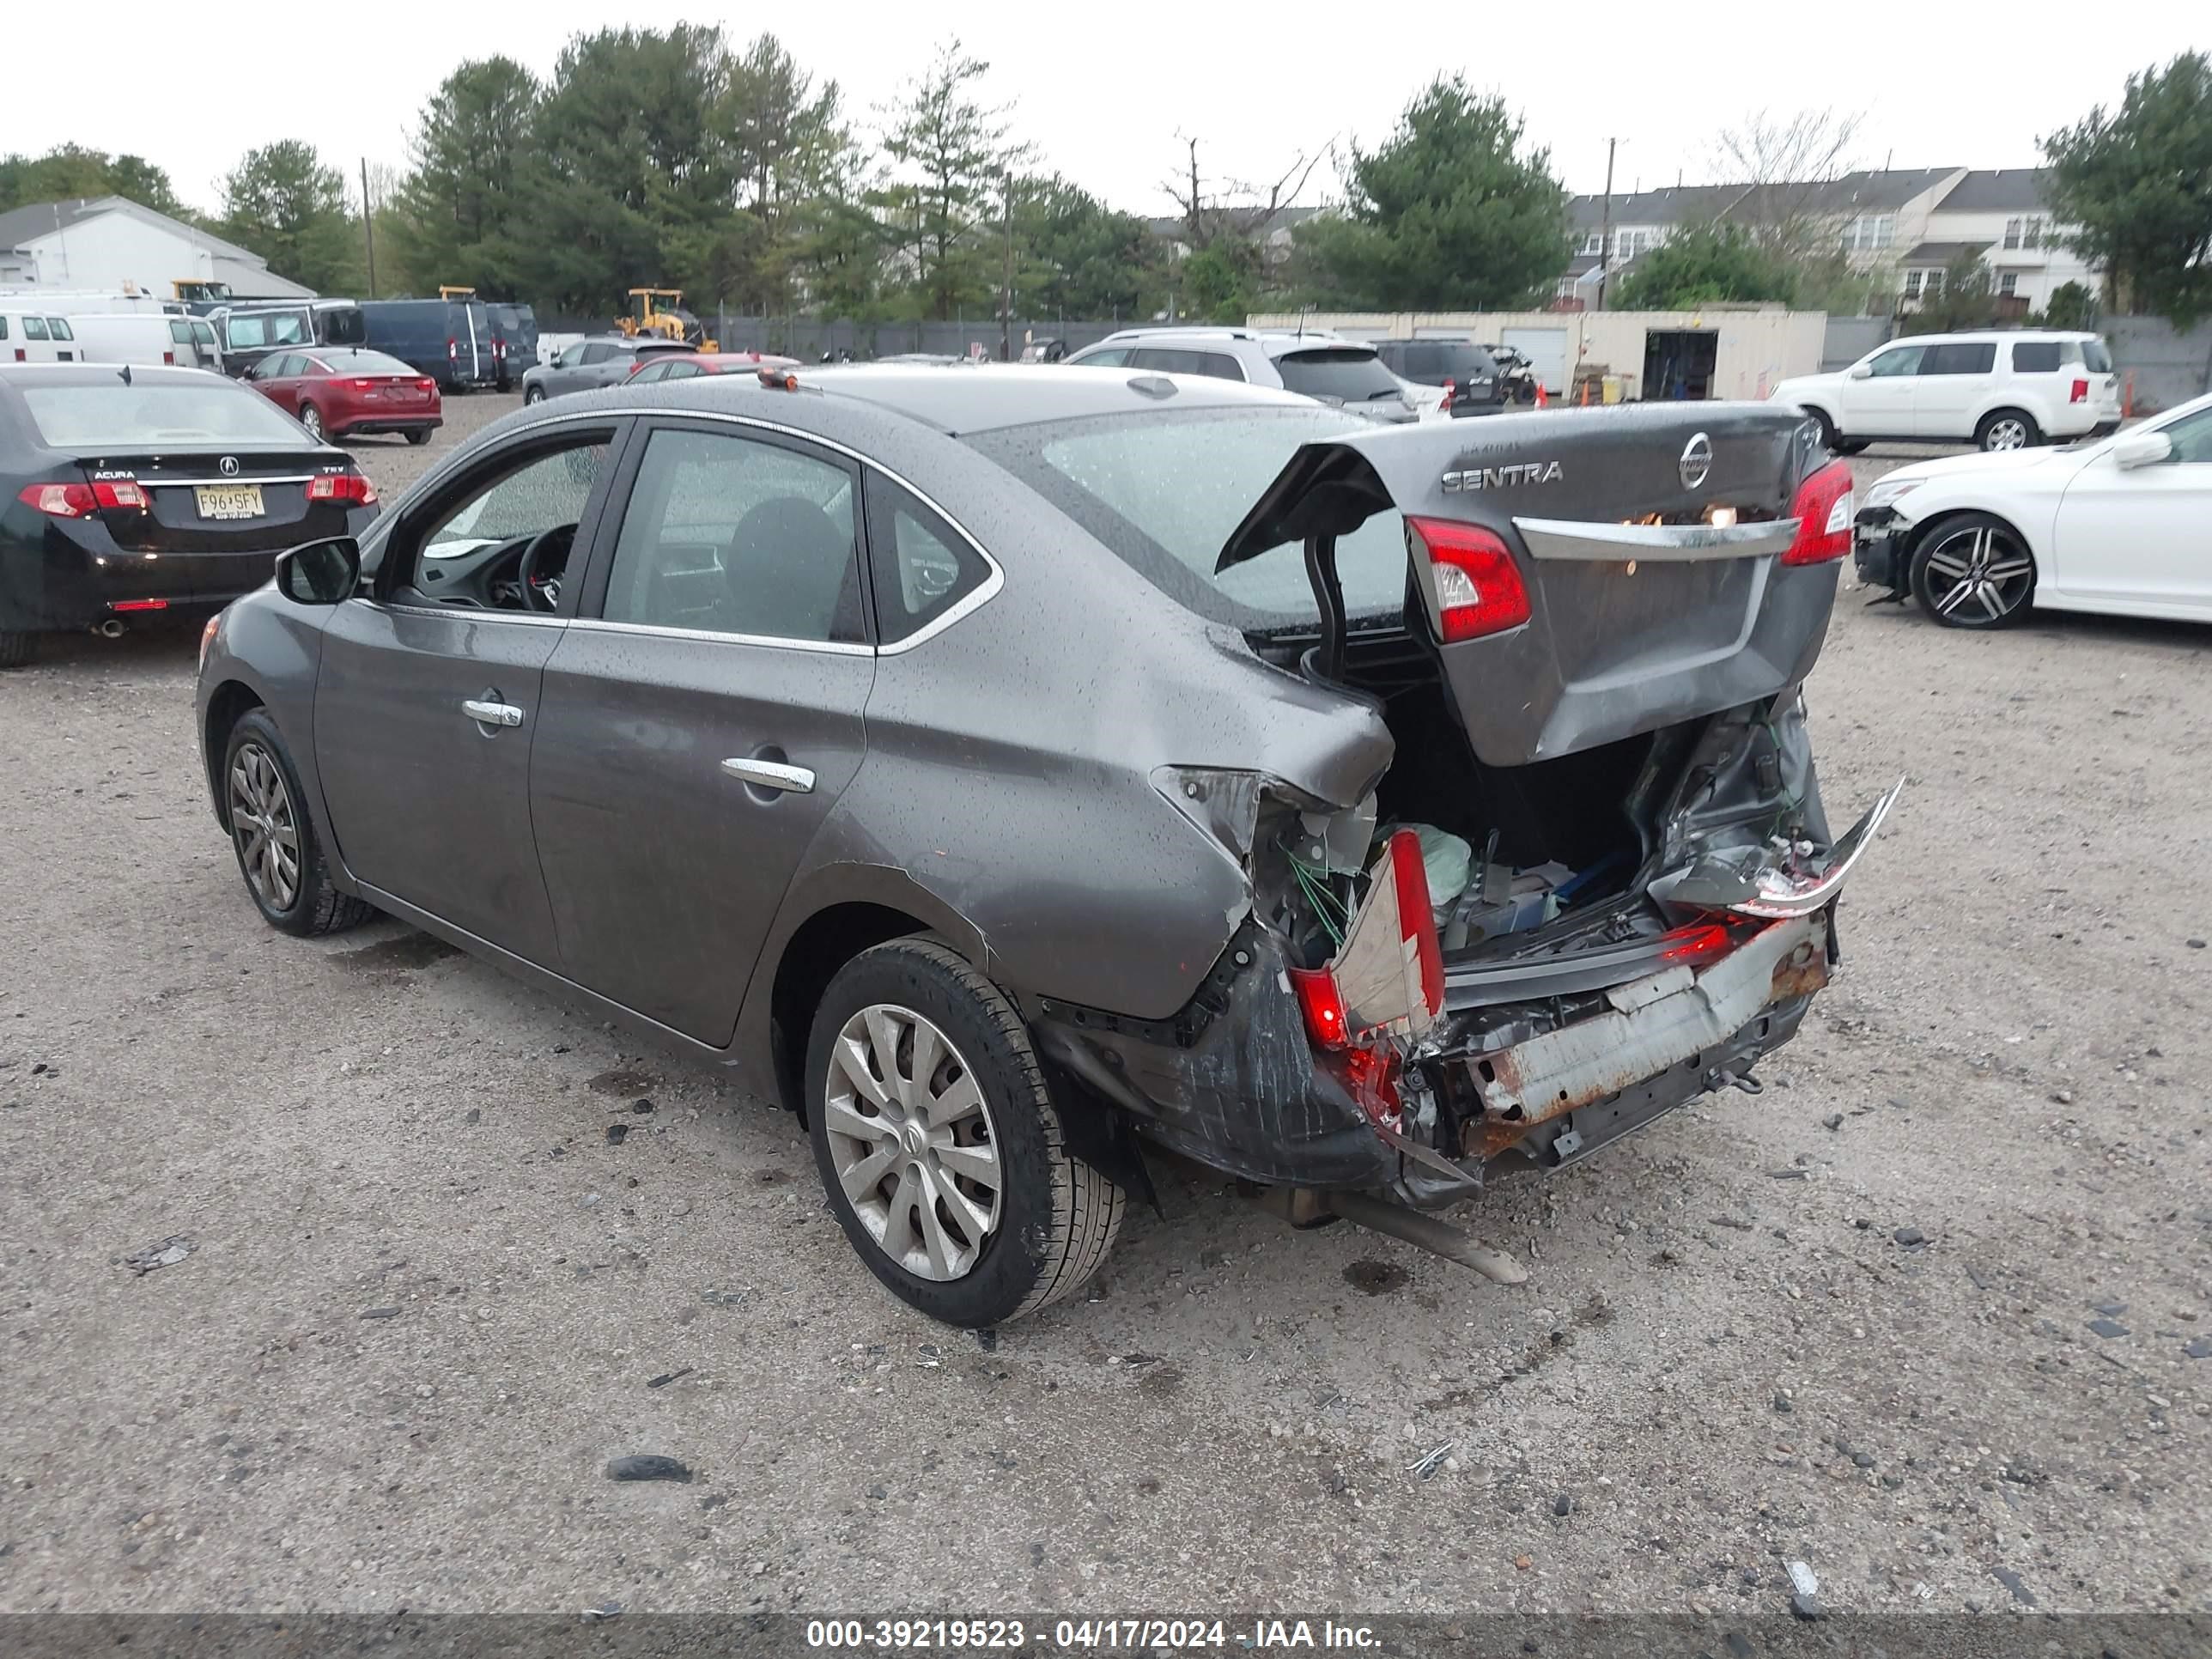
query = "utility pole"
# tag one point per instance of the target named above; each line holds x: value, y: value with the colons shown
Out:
x: 1605, y: 227
x: 368, y: 226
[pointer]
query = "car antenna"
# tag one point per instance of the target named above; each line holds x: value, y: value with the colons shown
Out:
x: 126, y: 375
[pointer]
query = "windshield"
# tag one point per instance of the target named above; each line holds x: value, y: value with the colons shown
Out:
x: 1164, y: 489
x: 1347, y: 373
x: 119, y: 416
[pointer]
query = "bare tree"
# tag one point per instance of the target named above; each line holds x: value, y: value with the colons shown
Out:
x: 1233, y: 209
x: 1791, y: 168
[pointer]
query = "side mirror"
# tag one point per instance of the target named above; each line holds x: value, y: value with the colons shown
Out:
x: 1862, y: 371
x: 2142, y: 449
x: 319, y: 573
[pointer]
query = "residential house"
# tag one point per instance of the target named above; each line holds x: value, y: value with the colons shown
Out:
x: 112, y: 243
x: 2003, y: 216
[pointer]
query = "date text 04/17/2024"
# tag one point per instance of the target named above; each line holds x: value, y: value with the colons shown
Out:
x: 1089, y: 1635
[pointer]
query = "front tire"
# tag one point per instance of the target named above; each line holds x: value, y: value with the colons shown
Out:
x: 940, y: 1145
x: 535, y: 395
x: 1973, y: 571
x: 279, y: 852
x: 2007, y: 429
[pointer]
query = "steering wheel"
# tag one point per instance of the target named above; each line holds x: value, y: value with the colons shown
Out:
x: 540, y: 595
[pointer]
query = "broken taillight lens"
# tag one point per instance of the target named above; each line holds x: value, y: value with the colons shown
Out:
x: 1387, y: 975
x: 1823, y: 510
x: 1478, y: 586
x: 1698, y: 942
x: 1321, y: 1004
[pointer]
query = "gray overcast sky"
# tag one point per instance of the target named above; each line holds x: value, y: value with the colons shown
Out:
x: 1102, y: 91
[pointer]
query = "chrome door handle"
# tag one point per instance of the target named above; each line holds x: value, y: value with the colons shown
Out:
x: 491, y: 713
x: 770, y: 775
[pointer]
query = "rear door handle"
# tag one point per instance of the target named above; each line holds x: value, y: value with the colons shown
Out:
x: 491, y: 713
x: 771, y: 774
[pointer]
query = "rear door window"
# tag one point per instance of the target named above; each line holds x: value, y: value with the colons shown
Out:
x: 736, y: 535
x: 1166, y: 359
x: 1963, y: 357
x: 2034, y: 357
x: 1111, y: 357
x: 1220, y: 364
x: 1341, y: 374
x: 921, y: 565
x: 34, y: 328
x: 61, y: 328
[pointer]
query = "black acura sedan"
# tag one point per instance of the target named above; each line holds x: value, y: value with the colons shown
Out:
x: 125, y: 490
x: 1016, y: 770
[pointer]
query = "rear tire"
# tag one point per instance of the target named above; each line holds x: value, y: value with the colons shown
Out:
x: 17, y: 649
x: 313, y: 422
x: 280, y: 854
x: 1973, y: 571
x: 2007, y: 429
x: 983, y: 1253
x: 418, y: 435
x: 1830, y: 439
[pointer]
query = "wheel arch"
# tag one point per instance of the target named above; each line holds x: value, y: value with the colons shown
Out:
x: 228, y: 704
x: 1925, y: 527
x: 861, y: 908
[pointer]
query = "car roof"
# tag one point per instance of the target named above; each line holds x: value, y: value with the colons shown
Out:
x: 99, y: 374
x: 1275, y: 342
x: 981, y: 397
x: 1980, y: 334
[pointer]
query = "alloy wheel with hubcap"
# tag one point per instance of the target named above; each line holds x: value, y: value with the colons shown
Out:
x: 313, y: 420
x: 2007, y: 429
x: 912, y: 1141
x: 946, y: 1151
x: 1974, y: 573
x: 263, y: 824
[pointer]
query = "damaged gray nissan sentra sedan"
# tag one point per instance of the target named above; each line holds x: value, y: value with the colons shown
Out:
x: 1014, y: 770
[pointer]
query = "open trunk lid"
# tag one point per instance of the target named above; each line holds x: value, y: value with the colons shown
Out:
x: 1648, y: 542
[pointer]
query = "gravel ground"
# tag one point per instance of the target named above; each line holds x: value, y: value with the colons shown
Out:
x: 423, y: 1298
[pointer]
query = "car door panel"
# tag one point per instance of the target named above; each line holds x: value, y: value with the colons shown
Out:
x: 1882, y: 403
x: 2136, y: 537
x: 426, y: 713
x: 426, y: 802
x: 683, y: 766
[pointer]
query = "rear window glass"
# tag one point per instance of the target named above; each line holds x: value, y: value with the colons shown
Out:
x: 2095, y: 358
x: 1433, y: 363
x: 1164, y: 490
x: 1345, y: 376
x: 363, y: 362
x: 191, y: 409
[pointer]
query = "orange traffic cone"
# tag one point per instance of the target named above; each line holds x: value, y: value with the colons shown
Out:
x: 1542, y: 402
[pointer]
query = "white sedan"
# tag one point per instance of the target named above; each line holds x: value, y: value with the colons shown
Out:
x: 2122, y: 525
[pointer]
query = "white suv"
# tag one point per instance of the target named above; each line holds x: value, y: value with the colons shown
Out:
x: 1335, y: 371
x: 1994, y: 390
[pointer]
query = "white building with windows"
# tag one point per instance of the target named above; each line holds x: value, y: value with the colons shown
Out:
x: 1913, y: 220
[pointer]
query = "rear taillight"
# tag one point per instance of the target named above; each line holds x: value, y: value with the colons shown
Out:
x: 1321, y: 1004
x: 2081, y: 392
x: 138, y: 604
x: 342, y: 487
x: 1823, y: 511
x: 19, y: 353
x: 1478, y: 586
x: 169, y: 360
x: 1698, y: 942
x: 1411, y: 992
x: 364, y: 386
x: 78, y: 501
x: 1450, y: 387
x: 452, y: 349
x: 499, y: 347
x: 427, y: 384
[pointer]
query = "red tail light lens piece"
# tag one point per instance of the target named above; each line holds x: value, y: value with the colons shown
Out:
x: 1321, y: 1004
x: 2080, y: 394
x: 80, y: 501
x: 1478, y: 586
x: 1823, y: 510
x: 342, y: 487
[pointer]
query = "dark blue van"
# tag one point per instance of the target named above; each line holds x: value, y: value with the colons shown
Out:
x: 450, y: 340
x: 514, y: 339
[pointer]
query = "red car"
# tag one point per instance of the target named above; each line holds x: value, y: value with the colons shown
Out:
x: 341, y: 391
x: 674, y: 365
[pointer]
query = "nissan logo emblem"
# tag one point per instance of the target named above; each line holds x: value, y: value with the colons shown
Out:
x: 228, y: 466
x: 1696, y: 460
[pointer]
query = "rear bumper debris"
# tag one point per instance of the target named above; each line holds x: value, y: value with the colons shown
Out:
x: 1698, y: 1027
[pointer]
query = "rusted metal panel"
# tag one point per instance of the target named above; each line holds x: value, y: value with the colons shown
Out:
x: 1605, y: 1053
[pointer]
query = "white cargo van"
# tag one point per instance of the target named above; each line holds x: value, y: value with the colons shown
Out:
x: 34, y: 336
x: 154, y: 338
